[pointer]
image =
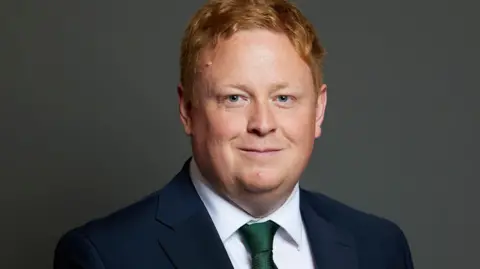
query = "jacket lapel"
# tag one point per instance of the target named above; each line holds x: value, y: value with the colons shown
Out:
x: 331, y: 247
x: 188, y: 235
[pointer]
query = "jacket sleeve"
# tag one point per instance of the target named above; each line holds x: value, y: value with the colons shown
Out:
x: 76, y: 251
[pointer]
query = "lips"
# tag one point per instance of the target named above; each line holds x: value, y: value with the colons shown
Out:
x: 260, y: 150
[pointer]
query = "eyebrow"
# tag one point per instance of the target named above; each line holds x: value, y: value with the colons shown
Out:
x: 274, y: 87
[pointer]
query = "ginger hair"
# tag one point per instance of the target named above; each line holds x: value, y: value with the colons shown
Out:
x: 220, y: 19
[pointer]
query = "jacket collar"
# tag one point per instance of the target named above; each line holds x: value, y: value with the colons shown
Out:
x: 188, y: 235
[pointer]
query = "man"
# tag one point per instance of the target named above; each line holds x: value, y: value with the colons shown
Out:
x: 252, y: 100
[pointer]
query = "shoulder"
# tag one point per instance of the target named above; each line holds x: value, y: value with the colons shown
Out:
x: 102, y: 240
x: 345, y: 216
x: 374, y: 236
x: 138, y: 216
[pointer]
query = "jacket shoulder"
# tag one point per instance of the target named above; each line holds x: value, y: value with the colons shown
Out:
x: 376, y: 238
x: 134, y: 217
x: 108, y: 239
x: 344, y: 215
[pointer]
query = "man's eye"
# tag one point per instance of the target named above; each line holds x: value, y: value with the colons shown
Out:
x: 283, y: 98
x: 233, y: 98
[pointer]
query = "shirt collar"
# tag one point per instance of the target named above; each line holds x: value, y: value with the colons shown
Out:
x: 288, y: 216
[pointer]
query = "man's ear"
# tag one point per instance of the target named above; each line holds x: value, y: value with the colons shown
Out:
x: 185, y: 110
x: 320, y: 110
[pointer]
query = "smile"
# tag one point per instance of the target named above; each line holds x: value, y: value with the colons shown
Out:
x: 255, y: 152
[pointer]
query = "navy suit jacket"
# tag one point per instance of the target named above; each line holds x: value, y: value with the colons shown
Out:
x: 171, y: 228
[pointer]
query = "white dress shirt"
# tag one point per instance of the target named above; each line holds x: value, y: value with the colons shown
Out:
x: 291, y: 249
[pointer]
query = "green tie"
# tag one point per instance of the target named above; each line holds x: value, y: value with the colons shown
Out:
x: 259, y: 240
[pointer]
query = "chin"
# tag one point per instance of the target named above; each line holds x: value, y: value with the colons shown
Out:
x: 262, y: 180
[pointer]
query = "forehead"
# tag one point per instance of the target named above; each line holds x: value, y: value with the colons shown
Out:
x: 255, y: 56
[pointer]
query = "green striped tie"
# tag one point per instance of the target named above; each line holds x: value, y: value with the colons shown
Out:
x: 259, y: 240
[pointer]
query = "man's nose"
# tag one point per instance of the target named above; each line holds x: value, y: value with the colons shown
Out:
x: 261, y: 119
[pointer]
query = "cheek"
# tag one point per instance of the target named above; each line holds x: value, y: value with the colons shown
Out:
x: 221, y: 130
x: 300, y: 127
x: 222, y: 126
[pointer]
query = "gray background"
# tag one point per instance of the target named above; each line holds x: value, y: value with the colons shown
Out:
x: 89, y: 118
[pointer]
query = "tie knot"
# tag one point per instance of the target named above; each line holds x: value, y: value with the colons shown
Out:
x: 259, y: 236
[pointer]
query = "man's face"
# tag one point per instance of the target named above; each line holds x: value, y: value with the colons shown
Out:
x: 256, y: 118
